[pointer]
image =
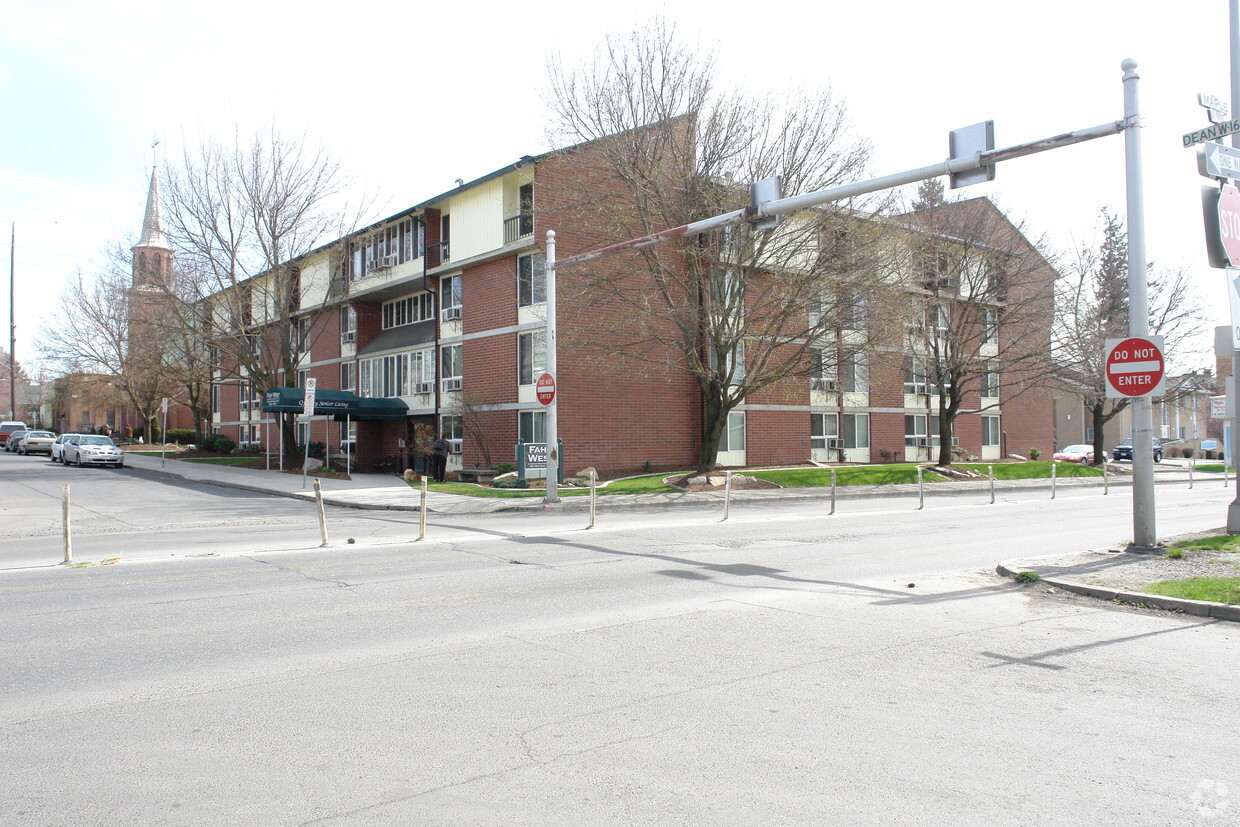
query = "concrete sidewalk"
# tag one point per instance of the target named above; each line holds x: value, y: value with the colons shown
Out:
x: 390, y: 492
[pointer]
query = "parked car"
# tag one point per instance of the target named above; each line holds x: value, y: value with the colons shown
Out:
x: 57, y: 453
x: 7, y: 428
x: 92, y: 449
x: 36, y: 442
x: 1124, y: 450
x: 12, y: 436
x: 1077, y: 453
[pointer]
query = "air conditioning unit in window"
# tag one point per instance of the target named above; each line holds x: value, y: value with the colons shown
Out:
x: 451, y: 314
x: 923, y: 442
x: 382, y: 263
x: 955, y: 442
x: 818, y: 383
x: 452, y: 384
x: 348, y: 336
x: 423, y: 387
x: 454, y: 446
x: 835, y: 443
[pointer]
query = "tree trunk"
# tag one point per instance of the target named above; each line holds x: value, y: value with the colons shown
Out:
x: 714, y: 422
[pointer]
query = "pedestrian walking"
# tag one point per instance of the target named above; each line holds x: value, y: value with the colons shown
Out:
x: 439, y: 459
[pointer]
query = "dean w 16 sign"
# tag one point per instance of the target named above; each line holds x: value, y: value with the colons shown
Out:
x: 1134, y: 367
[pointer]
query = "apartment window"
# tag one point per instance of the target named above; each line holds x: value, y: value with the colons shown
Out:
x: 823, y: 427
x: 531, y: 280
x: 348, y: 376
x: 302, y: 376
x: 303, y: 431
x: 215, y: 399
x: 852, y: 312
x: 525, y: 203
x: 450, y: 297
x: 246, y: 391
x: 733, y: 438
x: 914, y: 377
x: 1089, y: 434
x: 422, y: 371
x: 301, y: 336
x: 732, y: 366
x: 408, y: 310
x: 532, y: 426
x: 990, y: 382
x: 823, y: 375
x: 531, y: 356
x: 348, y: 436
x: 854, y: 373
x: 915, y: 429
x: 445, y: 237
x: 348, y: 323
x: 990, y: 327
x: 990, y: 431
x: 451, y: 367
x: 856, y: 430
x: 451, y: 426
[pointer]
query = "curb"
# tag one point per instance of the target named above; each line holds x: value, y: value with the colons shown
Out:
x: 1199, y: 608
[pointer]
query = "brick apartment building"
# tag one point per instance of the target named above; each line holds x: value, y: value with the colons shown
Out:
x: 433, y: 320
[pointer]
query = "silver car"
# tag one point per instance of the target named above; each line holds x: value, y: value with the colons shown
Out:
x: 92, y: 449
x: 58, y: 446
x: 36, y: 442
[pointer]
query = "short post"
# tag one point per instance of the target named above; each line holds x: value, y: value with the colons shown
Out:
x: 832, y: 490
x: 422, y: 512
x: 1226, y: 484
x: 1106, y: 480
x: 921, y: 491
x: 1192, y: 464
x: 593, y: 494
x: 990, y: 471
x: 64, y: 518
x: 318, y: 496
x: 1053, y: 466
x: 727, y: 494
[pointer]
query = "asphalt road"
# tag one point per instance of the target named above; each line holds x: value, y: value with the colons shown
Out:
x: 662, y: 668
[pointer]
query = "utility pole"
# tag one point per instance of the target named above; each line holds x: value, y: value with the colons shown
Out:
x: 12, y: 325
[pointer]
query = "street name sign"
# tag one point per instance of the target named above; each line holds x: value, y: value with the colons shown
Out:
x: 545, y: 388
x: 1217, y: 161
x: 1219, y: 130
x: 1135, y: 367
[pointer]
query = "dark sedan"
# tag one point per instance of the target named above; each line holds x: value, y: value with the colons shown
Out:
x: 1124, y: 450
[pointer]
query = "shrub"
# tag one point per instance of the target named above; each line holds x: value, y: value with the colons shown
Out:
x: 509, y: 484
x: 218, y: 444
x: 1026, y: 577
x: 503, y: 468
x: 1187, y: 453
x: 181, y: 436
x: 1034, y: 453
x: 317, y: 450
x: 1174, y: 553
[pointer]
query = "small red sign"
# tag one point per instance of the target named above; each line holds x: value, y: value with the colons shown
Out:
x: 1134, y: 366
x: 545, y: 388
x: 1229, y: 222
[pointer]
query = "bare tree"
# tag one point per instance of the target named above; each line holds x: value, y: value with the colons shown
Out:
x: 659, y: 143
x: 243, y: 218
x: 982, y: 299
x: 478, y: 421
x: 1093, y: 307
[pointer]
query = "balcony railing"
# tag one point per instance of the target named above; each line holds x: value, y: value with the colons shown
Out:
x: 519, y: 226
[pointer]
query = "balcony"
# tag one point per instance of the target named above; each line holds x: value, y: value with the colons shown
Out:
x: 518, y: 227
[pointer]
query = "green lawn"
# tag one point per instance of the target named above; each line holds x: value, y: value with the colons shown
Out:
x: 1216, y: 589
x: 1216, y: 468
x: 652, y: 484
x: 844, y: 475
x: 219, y: 460
x: 1223, y: 542
x: 1035, y: 470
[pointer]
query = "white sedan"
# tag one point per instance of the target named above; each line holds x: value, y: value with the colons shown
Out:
x: 1077, y: 453
x: 91, y: 449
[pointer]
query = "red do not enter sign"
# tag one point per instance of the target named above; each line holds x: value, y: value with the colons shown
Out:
x: 1134, y: 366
x: 545, y: 388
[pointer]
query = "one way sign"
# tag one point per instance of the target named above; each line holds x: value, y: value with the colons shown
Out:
x: 1218, y: 161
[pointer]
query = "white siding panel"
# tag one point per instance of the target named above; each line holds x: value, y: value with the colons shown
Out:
x: 478, y: 220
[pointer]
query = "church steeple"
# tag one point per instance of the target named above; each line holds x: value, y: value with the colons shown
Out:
x: 152, y: 255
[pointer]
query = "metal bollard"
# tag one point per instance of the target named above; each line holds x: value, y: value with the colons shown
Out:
x: 990, y: 469
x: 1053, y: 466
x: 593, y: 494
x: 727, y: 494
x: 318, y: 497
x: 64, y: 516
x: 422, y: 512
x: 1192, y: 464
x: 921, y: 492
x: 1106, y: 480
x: 832, y: 490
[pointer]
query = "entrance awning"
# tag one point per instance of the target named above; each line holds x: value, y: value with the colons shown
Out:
x: 336, y: 404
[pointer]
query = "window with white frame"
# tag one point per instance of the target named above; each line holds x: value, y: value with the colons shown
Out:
x: 215, y: 399
x: 852, y: 311
x: 1089, y: 434
x: 348, y: 436
x: 302, y: 376
x: 990, y: 326
x: 531, y: 280
x: 392, y: 245
x: 408, y: 309
x: 531, y: 356
x: 824, y: 430
x: 915, y: 376
x: 348, y: 376
x: 348, y: 324
x: 990, y: 431
x: 452, y: 428
x: 915, y: 430
x: 450, y: 297
x: 301, y: 336
x: 854, y: 373
x: 451, y: 367
x: 990, y: 382
x: 823, y: 375
x: 856, y: 430
x: 733, y: 438
x: 532, y: 426
x: 732, y: 366
x: 303, y: 431
x: 422, y: 371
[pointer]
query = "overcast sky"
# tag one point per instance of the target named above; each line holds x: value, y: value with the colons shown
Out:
x: 413, y: 96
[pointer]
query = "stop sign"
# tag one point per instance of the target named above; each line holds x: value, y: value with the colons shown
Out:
x: 545, y: 388
x: 1134, y: 366
x: 1229, y: 222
